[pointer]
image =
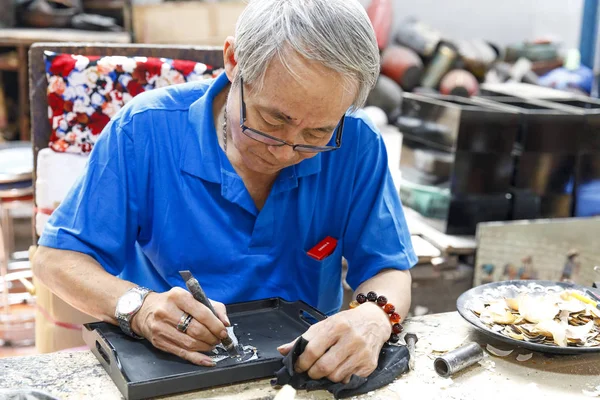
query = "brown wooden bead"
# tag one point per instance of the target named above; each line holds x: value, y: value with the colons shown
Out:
x: 397, y: 328
x: 372, y: 296
x: 354, y: 304
x: 381, y: 301
x: 389, y: 308
x: 361, y: 298
x: 395, y: 318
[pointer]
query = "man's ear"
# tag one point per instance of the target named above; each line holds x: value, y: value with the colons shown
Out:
x: 229, y: 60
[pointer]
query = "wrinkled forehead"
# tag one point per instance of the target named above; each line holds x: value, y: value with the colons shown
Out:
x: 296, y: 85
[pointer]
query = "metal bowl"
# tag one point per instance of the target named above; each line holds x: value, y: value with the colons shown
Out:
x: 512, y: 289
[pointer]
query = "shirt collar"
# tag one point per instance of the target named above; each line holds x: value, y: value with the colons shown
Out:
x: 309, y: 166
x: 201, y: 152
x: 201, y: 155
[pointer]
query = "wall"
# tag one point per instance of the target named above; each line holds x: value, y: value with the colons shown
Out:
x: 502, y: 22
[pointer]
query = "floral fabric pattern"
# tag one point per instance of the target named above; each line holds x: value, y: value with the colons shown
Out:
x: 85, y: 92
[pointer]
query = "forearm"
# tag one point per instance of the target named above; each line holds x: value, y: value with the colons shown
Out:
x: 80, y: 280
x: 395, y: 285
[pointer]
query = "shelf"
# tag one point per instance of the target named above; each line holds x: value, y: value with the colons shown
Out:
x: 21, y: 38
x: 9, y: 62
x: 104, y: 5
x: 27, y: 36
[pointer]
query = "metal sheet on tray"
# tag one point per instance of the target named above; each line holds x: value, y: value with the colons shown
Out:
x: 139, y: 370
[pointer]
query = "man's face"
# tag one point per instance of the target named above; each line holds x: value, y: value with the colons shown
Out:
x: 301, y: 109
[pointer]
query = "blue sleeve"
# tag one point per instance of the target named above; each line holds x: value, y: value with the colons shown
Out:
x: 376, y: 236
x: 99, y: 215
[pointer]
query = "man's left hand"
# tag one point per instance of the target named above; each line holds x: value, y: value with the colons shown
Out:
x: 344, y: 344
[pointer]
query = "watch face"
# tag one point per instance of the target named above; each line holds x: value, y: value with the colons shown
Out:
x: 129, y: 302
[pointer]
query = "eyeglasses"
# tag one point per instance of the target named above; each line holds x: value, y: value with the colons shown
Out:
x: 273, y: 141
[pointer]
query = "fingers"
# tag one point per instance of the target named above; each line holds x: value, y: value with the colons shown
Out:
x: 330, y: 364
x: 221, y: 312
x: 338, y: 348
x: 199, y: 332
x: 170, y: 314
x: 321, y: 337
x: 366, y: 369
x: 168, y: 338
x: 185, y: 341
x: 191, y: 356
x: 353, y: 365
x: 185, y: 301
x: 284, y: 349
x: 164, y: 311
x: 361, y: 361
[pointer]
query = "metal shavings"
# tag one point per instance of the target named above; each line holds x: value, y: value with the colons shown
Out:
x: 250, y: 350
x: 531, y: 389
x: 286, y: 393
x: 445, y: 383
x: 497, y: 352
x: 595, y: 393
x: 488, y: 365
x: 548, y: 316
x: 524, y: 357
x: 445, y: 344
x: 220, y: 353
x: 218, y: 357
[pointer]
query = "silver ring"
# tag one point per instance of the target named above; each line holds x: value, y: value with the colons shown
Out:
x: 184, y: 322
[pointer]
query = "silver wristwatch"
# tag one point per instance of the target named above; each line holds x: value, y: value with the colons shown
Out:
x: 127, y: 306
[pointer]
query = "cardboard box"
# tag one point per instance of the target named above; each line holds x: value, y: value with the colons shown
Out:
x: 57, y: 324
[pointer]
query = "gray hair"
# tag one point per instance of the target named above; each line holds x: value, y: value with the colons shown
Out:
x: 336, y: 33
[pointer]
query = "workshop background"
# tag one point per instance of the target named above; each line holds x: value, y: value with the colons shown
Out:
x: 489, y: 111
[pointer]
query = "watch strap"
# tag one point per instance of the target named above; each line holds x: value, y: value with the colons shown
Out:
x: 125, y: 319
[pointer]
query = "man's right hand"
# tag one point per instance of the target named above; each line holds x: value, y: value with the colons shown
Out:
x: 158, y: 317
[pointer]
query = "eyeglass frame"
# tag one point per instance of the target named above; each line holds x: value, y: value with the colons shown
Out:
x: 309, y: 148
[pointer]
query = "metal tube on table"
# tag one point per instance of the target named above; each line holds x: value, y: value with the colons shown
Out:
x: 411, y: 340
x: 459, y: 359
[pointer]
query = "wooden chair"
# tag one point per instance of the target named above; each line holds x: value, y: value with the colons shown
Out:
x: 57, y: 323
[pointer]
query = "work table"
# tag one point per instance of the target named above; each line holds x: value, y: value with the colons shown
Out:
x: 77, y: 375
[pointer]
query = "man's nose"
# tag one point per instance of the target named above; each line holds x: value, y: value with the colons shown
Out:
x: 283, y: 153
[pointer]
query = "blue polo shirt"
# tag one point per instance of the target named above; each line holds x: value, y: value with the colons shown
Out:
x: 159, y: 195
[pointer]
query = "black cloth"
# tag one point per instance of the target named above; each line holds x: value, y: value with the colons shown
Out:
x: 393, y: 361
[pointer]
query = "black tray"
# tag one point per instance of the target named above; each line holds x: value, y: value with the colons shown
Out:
x: 139, y: 370
x: 464, y: 309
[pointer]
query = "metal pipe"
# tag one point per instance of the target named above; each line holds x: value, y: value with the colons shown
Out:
x: 457, y: 360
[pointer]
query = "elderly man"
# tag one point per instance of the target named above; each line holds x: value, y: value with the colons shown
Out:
x: 237, y: 180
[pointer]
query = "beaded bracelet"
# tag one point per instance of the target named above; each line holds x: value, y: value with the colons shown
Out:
x: 387, y: 307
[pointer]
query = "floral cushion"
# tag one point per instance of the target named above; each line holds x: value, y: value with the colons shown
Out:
x: 85, y: 92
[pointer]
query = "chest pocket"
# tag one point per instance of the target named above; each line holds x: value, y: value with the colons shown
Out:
x: 319, y: 283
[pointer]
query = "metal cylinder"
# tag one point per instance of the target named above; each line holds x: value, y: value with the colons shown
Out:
x: 459, y: 359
